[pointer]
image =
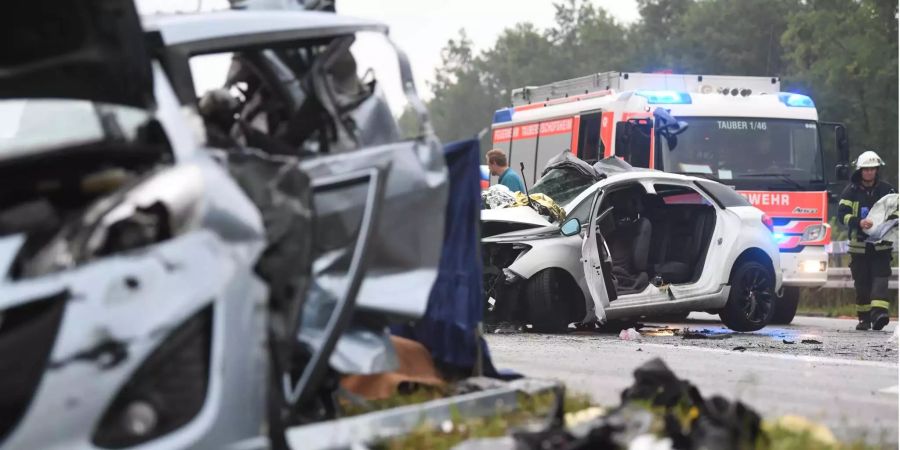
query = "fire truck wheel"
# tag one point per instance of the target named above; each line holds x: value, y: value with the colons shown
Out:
x: 751, y: 302
x: 551, y: 305
x: 786, y: 306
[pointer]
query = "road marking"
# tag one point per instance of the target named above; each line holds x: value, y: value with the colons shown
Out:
x: 891, y: 390
x: 803, y: 358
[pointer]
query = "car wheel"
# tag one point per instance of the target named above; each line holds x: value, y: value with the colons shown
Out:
x: 549, y: 309
x: 751, y: 302
x: 786, y: 306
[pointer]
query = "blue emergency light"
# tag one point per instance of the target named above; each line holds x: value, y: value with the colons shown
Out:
x: 503, y: 115
x: 665, y: 97
x: 796, y: 100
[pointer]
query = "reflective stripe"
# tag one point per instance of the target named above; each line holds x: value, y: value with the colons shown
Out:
x: 863, y: 308
x: 883, y: 247
x: 857, y: 250
x: 847, y: 218
x: 846, y: 202
x: 881, y: 304
x: 857, y: 244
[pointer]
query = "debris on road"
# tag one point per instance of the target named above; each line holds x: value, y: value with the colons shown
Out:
x: 703, y: 334
x: 740, y: 349
x: 661, y: 332
x: 629, y: 335
x: 787, y: 341
x: 810, y: 341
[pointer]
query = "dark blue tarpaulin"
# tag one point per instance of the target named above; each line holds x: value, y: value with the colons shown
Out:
x: 448, y: 328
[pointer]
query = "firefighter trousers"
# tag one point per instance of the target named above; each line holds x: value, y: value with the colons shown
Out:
x: 871, y: 272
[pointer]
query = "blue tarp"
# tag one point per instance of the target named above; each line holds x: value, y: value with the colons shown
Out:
x: 448, y: 328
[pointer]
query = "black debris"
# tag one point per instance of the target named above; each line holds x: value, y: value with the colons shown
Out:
x: 658, y: 402
x: 810, y: 341
x: 740, y: 349
x: 787, y: 341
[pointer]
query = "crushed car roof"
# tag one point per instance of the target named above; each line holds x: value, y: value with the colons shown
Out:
x: 220, y: 27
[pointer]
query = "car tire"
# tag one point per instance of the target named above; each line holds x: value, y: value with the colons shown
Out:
x: 549, y: 310
x: 786, y: 306
x: 751, y: 303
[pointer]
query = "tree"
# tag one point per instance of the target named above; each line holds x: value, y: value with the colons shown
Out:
x: 651, y: 40
x: 462, y: 104
x: 844, y: 53
x: 732, y: 37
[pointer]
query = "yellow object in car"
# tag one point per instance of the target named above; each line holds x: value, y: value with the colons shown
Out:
x: 543, y: 205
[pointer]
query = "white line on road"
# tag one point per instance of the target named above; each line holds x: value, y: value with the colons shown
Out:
x: 891, y: 390
x: 804, y: 358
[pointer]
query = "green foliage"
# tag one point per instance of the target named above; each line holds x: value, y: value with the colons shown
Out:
x: 843, y: 53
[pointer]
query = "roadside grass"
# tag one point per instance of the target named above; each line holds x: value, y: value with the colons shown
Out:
x: 444, y: 436
x: 784, y: 433
x: 834, y: 302
x: 797, y: 433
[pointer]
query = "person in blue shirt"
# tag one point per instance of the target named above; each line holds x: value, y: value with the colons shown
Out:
x: 498, y: 166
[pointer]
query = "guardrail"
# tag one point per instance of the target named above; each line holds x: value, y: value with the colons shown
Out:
x: 839, y: 277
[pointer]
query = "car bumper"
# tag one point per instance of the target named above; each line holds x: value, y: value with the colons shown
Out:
x: 808, y: 268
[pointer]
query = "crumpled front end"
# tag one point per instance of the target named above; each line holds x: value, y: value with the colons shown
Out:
x: 114, y: 320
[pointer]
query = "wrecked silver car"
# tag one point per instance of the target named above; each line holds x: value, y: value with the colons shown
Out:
x: 174, y: 280
x: 635, y: 242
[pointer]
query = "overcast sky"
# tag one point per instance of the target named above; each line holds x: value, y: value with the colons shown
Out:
x: 423, y: 27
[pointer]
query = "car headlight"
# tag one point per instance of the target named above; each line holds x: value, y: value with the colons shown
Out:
x: 813, y: 233
x: 158, y: 208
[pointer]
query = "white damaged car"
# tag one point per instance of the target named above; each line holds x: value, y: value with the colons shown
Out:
x: 635, y: 243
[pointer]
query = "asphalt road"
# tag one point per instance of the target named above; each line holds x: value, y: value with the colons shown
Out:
x: 849, y: 382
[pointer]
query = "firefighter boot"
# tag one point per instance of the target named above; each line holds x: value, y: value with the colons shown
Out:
x: 880, y: 316
x: 863, y: 325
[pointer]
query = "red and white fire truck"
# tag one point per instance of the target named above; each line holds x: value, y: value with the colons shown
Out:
x: 742, y: 131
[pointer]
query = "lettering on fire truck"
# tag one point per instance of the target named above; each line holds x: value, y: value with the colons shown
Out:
x: 768, y: 199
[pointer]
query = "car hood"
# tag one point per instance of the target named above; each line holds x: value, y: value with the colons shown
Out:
x: 87, y: 50
x: 516, y: 215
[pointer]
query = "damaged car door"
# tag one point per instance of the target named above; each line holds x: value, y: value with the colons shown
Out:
x: 301, y: 85
x: 596, y: 259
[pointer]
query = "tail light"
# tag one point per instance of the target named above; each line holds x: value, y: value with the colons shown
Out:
x: 767, y: 221
x: 166, y: 391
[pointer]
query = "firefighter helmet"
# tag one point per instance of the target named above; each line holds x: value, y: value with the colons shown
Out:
x: 869, y: 159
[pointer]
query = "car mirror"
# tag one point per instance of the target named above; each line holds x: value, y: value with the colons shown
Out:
x: 571, y: 227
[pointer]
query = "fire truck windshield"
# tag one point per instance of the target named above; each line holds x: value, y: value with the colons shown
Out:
x: 749, y: 152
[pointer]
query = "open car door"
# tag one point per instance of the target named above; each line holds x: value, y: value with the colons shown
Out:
x: 597, y: 262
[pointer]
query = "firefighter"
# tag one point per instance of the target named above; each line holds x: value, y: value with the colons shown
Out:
x: 870, y: 264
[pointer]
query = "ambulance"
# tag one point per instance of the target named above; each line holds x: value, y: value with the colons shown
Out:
x: 742, y: 131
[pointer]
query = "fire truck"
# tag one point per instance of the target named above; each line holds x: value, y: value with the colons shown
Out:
x: 742, y: 131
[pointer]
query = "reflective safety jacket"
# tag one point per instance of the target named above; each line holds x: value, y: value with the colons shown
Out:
x: 856, y: 201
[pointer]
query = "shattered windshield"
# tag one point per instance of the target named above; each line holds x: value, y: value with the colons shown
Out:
x: 562, y: 185
x: 28, y: 126
x: 731, y: 148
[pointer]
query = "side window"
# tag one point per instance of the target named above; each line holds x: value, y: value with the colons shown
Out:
x: 680, y: 195
x: 583, y: 210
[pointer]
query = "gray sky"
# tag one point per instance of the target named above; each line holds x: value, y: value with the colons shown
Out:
x: 423, y: 27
